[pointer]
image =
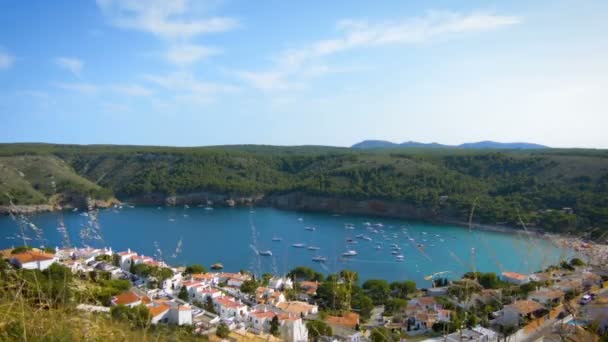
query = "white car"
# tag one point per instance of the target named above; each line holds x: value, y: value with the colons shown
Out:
x: 586, y: 299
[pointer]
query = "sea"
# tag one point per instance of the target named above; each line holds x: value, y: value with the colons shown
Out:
x: 235, y: 237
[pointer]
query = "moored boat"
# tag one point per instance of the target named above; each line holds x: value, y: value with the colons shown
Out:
x: 319, y: 259
x: 349, y: 253
x: 298, y: 245
x: 217, y: 266
x: 265, y: 253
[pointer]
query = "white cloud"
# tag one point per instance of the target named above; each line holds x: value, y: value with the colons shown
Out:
x: 168, y: 19
x: 294, y: 63
x: 6, y: 60
x: 73, y: 65
x: 187, y: 82
x: 186, y: 54
x: 83, y: 88
x: 131, y: 90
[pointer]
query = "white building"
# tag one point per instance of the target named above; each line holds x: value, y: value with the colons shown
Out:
x: 280, y: 283
x: 32, y: 260
x: 228, y: 307
x: 293, y: 328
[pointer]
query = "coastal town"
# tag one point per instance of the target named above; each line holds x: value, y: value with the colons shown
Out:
x: 569, y: 299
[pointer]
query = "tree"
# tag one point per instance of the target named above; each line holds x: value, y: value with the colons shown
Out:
x: 403, y: 289
x: 142, y: 270
x: 266, y: 278
x: 209, y: 305
x: 21, y: 249
x: 577, y: 262
x: 395, y: 304
x: 305, y: 273
x: 222, y: 330
x: 195, y: 268
x: 116, y: 260
x: 380, y: 334
x: 489, y: 280
x: 362, y: 303
x: 378, y: 290
x: 183, y: 294
x: 139, y: 316
x: 274, y: 326
x: 249, y: 286
x: 49, y: 250
x: 318, y: 329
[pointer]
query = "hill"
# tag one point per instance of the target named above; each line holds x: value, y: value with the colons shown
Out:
x: 555, y: 189
x: 379, y: 144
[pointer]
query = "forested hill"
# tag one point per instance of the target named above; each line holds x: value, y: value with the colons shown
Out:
x: 554, y: 189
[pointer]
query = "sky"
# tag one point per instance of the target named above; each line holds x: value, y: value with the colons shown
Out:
x: 215, y: 72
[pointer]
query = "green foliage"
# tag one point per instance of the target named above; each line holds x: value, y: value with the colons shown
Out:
x: 138, y: 316
x: 21, y: 249
x: 317, y: 329
x: 395, y: 304
x: 209, y: 305
x: 274, y: 326
x: 305, y: 273
x: 577, y: 262
x: 183, y: 294
x: 222, y: 330
x: 49, y: 250
x: 362, y: 303
x: 403, y: 289
x: 104, y: 257
x: 195, y: 269
x: 249, y: 286
x: 378, y: 290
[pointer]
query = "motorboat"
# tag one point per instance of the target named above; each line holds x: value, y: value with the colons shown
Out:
x: 313, y: 248
x: 298, y: 245
x: 277, y: 239
x: 319, y: 259
x: 349, y: 253
x: 312, y: 229
x: 265, y: 253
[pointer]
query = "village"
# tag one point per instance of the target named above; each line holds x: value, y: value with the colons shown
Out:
x: 570, y: 299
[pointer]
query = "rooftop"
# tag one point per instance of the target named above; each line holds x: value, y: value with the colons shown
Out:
x: 30, y: 256
x: 514, y: 275
x: 349, y: 319
x: 125, y: 298
x: 524, y: 307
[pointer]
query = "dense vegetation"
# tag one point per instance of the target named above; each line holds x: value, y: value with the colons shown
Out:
x: 503, y: 186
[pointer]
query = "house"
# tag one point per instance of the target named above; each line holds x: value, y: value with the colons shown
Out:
x: 129, y: 298
x: 280, y: 283
x: 266, y: 295
x: 125, y: 260
x: 421, y: 321
x: 228, y: 307
x: 515, y: 278
x: 159, y: 313
x: 437, y: 291
x: 260, y: 320
x: 206, y: 278
x: 309, y: 287
x: 202, y: 293
x: 349, y: 320
x: 569, y: 285
x: 546, y: 296
x: 233, y: 279
x: 427, y: 303
x: 590, y: 279
x: 32, y: 260
x: 476, y: 334
x: 301, y: 309
x: 180, y: 315
x: 292, y: 328
x: 174, y: 283
x: 513, y: 314
x: 444, y: 315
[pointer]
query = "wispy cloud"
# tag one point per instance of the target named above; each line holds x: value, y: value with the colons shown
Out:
x: 165, y: 18
x: 173, y: 21
x: 6, y: 60
x: 356, y: 34
x: 81, y: 87
x: 73, y: 65
x: 186, y: 54
x: 131, y: 90
x: 186, y: 82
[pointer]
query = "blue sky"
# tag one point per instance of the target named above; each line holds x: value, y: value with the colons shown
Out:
x: 193, y: 73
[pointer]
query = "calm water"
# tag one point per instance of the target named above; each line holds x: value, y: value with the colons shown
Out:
x: 231, y: 236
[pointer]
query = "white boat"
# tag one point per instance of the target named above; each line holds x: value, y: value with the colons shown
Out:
x: 265, y: 253
x: 312, y: 229
x: 395, y: 252
x: 319, y: 259
x: 208, y: 208
x: 313, y: 248
x: 300, y: 219
x: 367, y: 224
x: 298, y: 245
x: 378, y: 247
x: 399, y: 257
x: 349, y: 253
x: 359, y: 236
x: 186, y: 206
x: 367, y: 238
x: 277, y: 239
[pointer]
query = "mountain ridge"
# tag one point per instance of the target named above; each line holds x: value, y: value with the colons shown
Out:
x: 485, y: 144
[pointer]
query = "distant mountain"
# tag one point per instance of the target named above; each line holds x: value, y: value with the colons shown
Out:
x: 376, y: 144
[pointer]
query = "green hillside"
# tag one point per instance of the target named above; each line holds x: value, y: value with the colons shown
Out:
x: 504, y: 185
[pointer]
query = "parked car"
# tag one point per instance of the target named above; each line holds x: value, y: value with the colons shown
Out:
x: 585, y: 299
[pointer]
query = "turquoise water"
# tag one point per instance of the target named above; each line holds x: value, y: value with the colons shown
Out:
x: 231, y: 236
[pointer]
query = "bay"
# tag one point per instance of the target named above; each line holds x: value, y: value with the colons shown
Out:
x: 233, y: 236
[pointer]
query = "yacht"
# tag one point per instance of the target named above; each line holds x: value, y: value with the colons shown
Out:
x: 319, y: 259
x: 313, y: 248
x: 298, y: 245
x: 265, y: 253
x: 399, y: 257
x: 359, y: 236
x: 367, y: 238
x: 349, y: 253
x: 312, y: 229
x: 277, y: 239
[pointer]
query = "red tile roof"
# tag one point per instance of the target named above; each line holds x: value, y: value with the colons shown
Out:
x: 157, y: 310
x: 126, y: 298
x: 515, y: 275
x: 349, y: 319
x: 30, y: 256
x: 225, y: 301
